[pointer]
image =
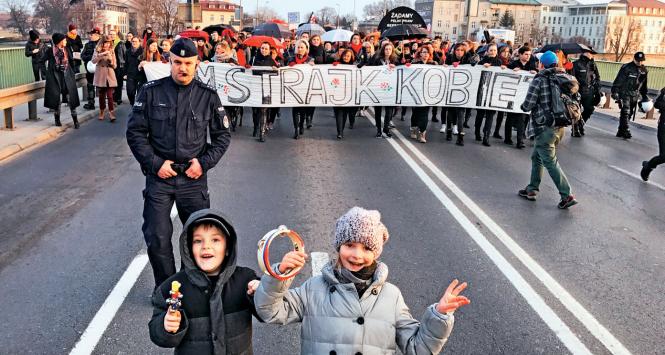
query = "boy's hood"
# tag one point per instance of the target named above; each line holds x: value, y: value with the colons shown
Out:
x: 194, y: 273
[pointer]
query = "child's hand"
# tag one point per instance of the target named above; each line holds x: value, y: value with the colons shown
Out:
x: 252, y: 286
x: 292, y: 260
x: 172, y: 321
x: 451, y: 299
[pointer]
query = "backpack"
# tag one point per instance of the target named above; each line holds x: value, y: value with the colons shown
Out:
x: 566, y: 107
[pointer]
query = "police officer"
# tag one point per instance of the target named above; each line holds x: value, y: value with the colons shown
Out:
x: 630, y: 83
x: 167, y: 133
x: 587, y: 75
x: 86, y: 56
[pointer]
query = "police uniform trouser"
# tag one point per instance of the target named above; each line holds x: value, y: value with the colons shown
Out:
x: 90, y: 87
x: 159, y: 195
x: 117, y: 94
x: 587, y: 105
x: 627, y: 105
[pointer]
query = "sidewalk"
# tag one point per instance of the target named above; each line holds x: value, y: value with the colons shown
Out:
x: 640, y: 118
x: 32, y: 133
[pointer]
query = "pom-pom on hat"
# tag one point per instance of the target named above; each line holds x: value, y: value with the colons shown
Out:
x: 359, y: 225
x: 549, y: 59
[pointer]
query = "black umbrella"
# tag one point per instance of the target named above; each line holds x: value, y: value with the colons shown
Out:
x: 401, y: 32
x: 275, y: 30
x: 219, y: 29
x: 566, y: 48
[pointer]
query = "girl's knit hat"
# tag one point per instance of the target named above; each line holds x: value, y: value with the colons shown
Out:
x: 359, y: 225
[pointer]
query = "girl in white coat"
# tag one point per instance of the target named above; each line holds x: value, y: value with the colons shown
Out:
x: 351, y: 308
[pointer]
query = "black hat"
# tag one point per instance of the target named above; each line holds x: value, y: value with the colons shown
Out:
x: 96, y: 30
x: 57, y: 37
x: 184, y: 47
x: 590, y: 50
x: 639, y: 56
x: 34, y: 35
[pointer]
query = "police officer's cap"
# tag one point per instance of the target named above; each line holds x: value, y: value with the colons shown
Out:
x: 639, y: 56
x: 184, y: 47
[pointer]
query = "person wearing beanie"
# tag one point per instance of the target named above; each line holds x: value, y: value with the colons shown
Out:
x: 547, y: 136
x: 60, y: 79
x: 350, y: 308
x: 34, y: 49
x: 76, y: 45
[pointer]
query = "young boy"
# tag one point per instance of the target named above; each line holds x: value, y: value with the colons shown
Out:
x: 216, y: 312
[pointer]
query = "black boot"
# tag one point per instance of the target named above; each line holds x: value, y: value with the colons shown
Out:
x: 76, y: 121
x: 460, y: 140
x: 646, y: 170
x: 57, y: 119
x: 627, y: 134
x: 449, y: 135
x: 296, y: 135
x: 309, y: 121
x: 486, y: 141
x: 256, y: 131
x: 90, y: 105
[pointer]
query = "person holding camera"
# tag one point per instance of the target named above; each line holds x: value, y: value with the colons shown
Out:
x: 60, y: 78
x: 34, y: 49
x: 105, y: 80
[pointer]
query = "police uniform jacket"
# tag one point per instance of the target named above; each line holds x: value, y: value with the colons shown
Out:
x: 170, y: 122
x: 586, y: 72
x: 631, y: 81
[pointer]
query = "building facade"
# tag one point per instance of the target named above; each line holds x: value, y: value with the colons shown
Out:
x: 205, y: 13
x: 121, y: 16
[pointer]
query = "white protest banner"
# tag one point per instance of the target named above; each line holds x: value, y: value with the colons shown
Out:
x: 347, y: 85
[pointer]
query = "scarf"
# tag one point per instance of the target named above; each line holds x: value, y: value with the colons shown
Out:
x: 60, y: 56
x: 303, y: 59
x: 71, y: 35
x: 504, y: 61
x: 356, y: 48
x: 361, y: 279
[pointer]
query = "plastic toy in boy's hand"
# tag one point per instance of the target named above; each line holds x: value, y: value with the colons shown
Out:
x: 174, y: 301
x: 451, y: 299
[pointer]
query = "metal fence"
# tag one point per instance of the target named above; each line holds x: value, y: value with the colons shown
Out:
x: 15, y: 68
x: 608, y: 71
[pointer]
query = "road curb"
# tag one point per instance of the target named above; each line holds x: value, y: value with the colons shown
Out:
x: 44, y: 136
x: 632, y: 123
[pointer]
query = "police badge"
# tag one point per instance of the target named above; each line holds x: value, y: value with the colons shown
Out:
x: 225, y: 122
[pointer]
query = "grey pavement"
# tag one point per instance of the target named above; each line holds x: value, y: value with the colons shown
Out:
x: 72, y: 211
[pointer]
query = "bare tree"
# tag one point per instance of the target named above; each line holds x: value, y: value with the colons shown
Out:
x: 579, y: 39
x: 266, y: 14
x: 327, y: 15
x: 379, y: 8
x: 147, y: 11
x: 53, y: 15
x: 166, y: 16
x: 624, y: 38
x: 84, y: 13
x: 19, y: 15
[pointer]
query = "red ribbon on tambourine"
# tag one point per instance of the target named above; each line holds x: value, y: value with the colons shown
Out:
x: 263, y: 253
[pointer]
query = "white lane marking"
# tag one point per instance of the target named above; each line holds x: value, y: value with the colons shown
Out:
x: 637, y: 177
x: 104, y: 316
x: 584, y: 316
x: 536, y: 302
x: 319, y: 260
x: 600, y: 129
x: 93, y: 333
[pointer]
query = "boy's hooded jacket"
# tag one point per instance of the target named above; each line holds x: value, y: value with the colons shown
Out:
x: 215, y: 320
x: 336, y: 321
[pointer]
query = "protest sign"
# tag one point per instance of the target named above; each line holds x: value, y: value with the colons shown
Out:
x: 347, y: 85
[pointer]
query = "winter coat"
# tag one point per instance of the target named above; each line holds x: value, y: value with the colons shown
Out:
x: 88, y: 52
x: 104, y: 73
x: 451, y: 59
x: 492, y: 61
x: 214, y: 320
x: 318, y: 53
x: 120, y: 51
x: 587, y: 75
x: 335, y: 320
x: 132, y: 60
x: 59, y: 82
x: 631, y: 81
x: 76, y: 45
x: 35, y: 57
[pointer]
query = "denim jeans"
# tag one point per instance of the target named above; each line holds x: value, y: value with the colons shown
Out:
x: 544, y: 155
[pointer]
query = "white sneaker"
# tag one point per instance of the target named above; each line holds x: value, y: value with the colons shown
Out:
x: 443, y: 129
x: 455, y: 129
x: 414, y: 133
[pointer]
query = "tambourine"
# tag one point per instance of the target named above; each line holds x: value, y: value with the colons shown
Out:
x: 263, y: 253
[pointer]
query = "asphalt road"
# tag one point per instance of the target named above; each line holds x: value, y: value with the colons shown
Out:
x: 71, y: 222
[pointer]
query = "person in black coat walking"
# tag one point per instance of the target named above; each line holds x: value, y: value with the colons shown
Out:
x: 455, y: 115
x: 385, y: 56
x: 75, y: 44
x: 491, y: 59
x: 587, y: 75
x: 518, y: 120
x: 342, y: 113
x: 260, y: 114
x: 648, y: 166
x: 86, y: 56
x: 215, y: 316
x: 420, y: 114
x: 134, y: 77
x: 300, y: 114
x: 60, y: 79
x: 34, y: 49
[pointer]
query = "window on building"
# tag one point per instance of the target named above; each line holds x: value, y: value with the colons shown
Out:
x: 221, y: 18
x: 641, y: 10
x: 447, y: 24
x: 570, y: 30
x: 648, y: 11
x: 649, y: 49
x: 558, y: 20
x: 577, y: 31
x: 454, y: 30
x: 438, y: 23
x: 455, y: 18
x: 484, y: 12
x: 473, y: 24
x: 583, y: 28
x: 521, y: 14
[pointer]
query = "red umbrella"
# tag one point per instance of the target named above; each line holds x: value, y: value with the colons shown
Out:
x: 195, y: 34
x: 281, y: 22
x: 256, y: 41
